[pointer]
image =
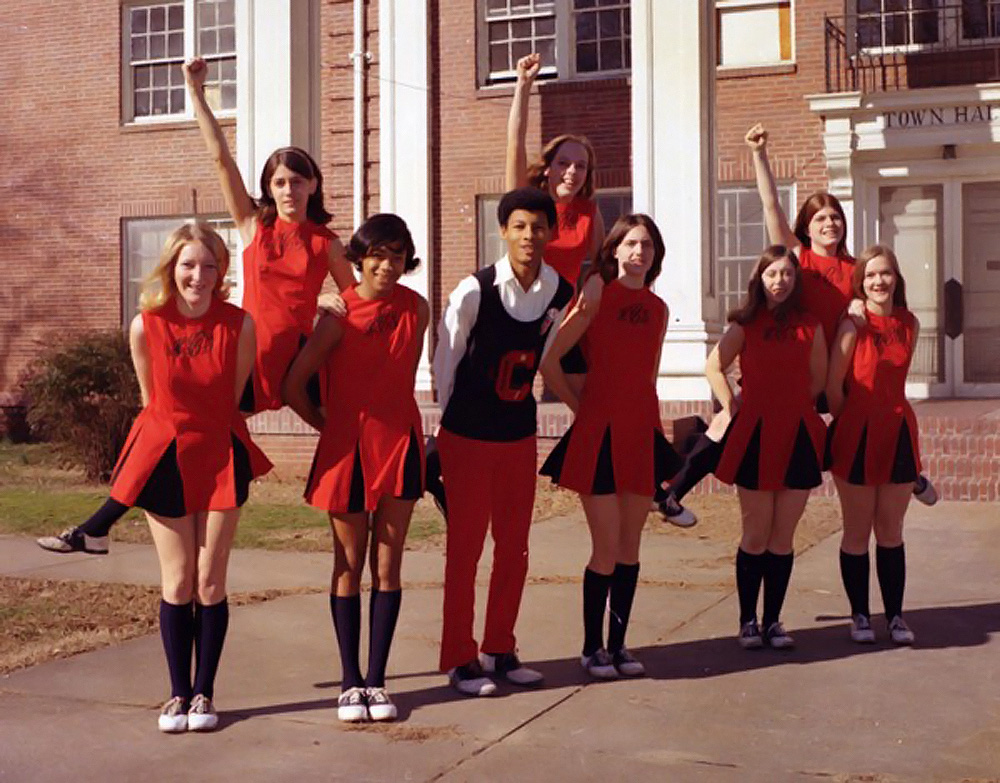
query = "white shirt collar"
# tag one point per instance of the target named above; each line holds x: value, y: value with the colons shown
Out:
x: 505, y: 274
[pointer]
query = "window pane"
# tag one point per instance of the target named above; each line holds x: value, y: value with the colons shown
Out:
x: 175, y: 17
x: 545, y: 26
x: 159, y: 75
x: 227, y: 13
x: 207, y: 43
x: 520, y: 29
x: 142, y: 104
x: 586, y: 57
x: 138, y: 20
x: 611, y: 55
x: 547, y: 49
x: 160, y: 104
x: 157, y: 47
x: 610, y: 24
x: 586, y: 27
x: 519, y: 49
x: 157, y: 19
x: 177, y: 101
x: 228, y: 96
x: 141, y: 76
x: 206, y: 14
x: 498, y: 58
x: 175, y: 45
x: 227, y: 39
x: 227, y: 69
x: 139, y: 49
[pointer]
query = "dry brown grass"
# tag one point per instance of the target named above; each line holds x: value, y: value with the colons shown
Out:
x: 43, y: 619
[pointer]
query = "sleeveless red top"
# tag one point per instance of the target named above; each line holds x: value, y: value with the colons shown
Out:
x: 571, y: 238
x: 776, y: 395
x: 623, y: 344
x: 876, y: 397
x: 369, y: 400
x: 283, y: 272
x: 826, y: 288
x: 192, y: 401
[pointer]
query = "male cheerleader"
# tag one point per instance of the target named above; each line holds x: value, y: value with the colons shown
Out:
x: 496, y: 328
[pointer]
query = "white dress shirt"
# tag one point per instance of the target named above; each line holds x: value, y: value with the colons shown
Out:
x: 463, y: 308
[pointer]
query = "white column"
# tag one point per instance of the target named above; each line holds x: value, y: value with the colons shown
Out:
x: 673, y: 176
x: 277, y: 74
x: 404, y: 136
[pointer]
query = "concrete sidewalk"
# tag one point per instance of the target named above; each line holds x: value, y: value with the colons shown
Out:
x: 829, y: 710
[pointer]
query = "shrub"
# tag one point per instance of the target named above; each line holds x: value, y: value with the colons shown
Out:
x: 82, y: 395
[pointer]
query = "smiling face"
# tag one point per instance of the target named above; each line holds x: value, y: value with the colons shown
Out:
x: 196, y: 275
x: 826, y: 230
x: 567, y: 173
x: 879, y: 282
x: 526, y: 234
x: 635, y: 254
x: 291, y: 191
x: 778, y: 280
x: 381, y: 268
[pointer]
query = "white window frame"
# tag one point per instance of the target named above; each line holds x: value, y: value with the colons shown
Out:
x: 946, y: 32
x: 565, y: 47
x: 166, y: 224
x: 724, y: 5
x: 190, y: 51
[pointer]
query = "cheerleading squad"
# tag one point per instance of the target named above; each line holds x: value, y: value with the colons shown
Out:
x: 838, y: 328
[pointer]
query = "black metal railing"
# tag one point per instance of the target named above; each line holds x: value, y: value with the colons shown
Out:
x: 929, y: 44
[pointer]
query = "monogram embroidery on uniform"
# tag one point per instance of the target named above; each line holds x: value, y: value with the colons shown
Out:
x: 781, y: 332
x: 635, y: 314
x: 192, y: 345
x: 383, y: 323
x: 893, y: 337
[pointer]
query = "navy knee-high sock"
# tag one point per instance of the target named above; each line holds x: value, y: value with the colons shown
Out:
x: 210, y: 623
x: 749, y: 573
x: 100, y: 522
x: 382, y: 616
x: 595, y: 599
x: 700, y: 461
x: 855, y: 571
x: 890, y: 564
x: 346, y: 613
x: 777, y: 573
x: 177, y: 633
x: 623, y: 582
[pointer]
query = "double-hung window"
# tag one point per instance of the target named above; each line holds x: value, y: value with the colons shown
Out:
x: 156, y: 40
x: 754, y: 33
x: 574, y: 37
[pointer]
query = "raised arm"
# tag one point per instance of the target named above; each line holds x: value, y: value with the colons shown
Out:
x: 238, y: 201
x: 723, y: 355
x: 517, y: 123
x: 840, y: 359
x: 778, y: 230
x: 308, y: 361
x: 140, y: 358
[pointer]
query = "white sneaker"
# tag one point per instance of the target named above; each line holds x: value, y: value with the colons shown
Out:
x: 924, y: 491
x: 777, y: 638
x: 508, y: 666
x: 861, y: 630
x: 380, y: 706
x: 900, y: 632
x: 173, y: 716
x: 675, y: 513
x: 627, y: 665
x: 202, y: 715
x: 470, y: 680
x: 74, y: 540
x: 352, y: 705
x: 750, y: 638
x: 599, y: 665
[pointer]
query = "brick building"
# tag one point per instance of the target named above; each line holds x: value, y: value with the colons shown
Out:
x: 893, y: 105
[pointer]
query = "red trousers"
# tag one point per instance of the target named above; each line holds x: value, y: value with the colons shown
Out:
x: 484, y: 481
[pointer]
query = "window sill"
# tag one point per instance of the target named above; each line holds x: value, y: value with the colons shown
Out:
x: 575, y: 83
x: 745, y: 71
x: 178, y: 123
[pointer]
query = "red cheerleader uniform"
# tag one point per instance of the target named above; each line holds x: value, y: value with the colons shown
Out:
x: 189, y: 449
x: 283, y: 273
x: 616, y: 443
x: 874, y: 439
x: 776, y: 439
x: 571, y: 238
x: 826, y: 288
x: 372, y: 442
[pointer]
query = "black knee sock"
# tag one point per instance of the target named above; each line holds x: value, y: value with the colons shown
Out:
x: 100, y: 522
x: 855, y: 570
x: 595, y: 599
x: 777, y: 572
x: 177, y: 633
x: 702, y: 460
x: 890, y: 564
x: 346, y: 613
x: 210, y: 626
x: 382, y: 616
x: 749, y: 573
x: 623, y: 582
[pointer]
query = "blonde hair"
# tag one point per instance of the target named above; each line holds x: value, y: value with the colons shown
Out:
x: 159, y: 285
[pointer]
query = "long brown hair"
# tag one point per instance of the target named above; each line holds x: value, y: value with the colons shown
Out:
x: 858, y: 275
x: 301, y: 162
x: 814, y: 204
x: 756, y: 299
x: 159, y: 285
x: 537, y: 171
x: 606, y: 265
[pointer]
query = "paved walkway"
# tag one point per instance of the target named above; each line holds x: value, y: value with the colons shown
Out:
x: 827, y: 711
